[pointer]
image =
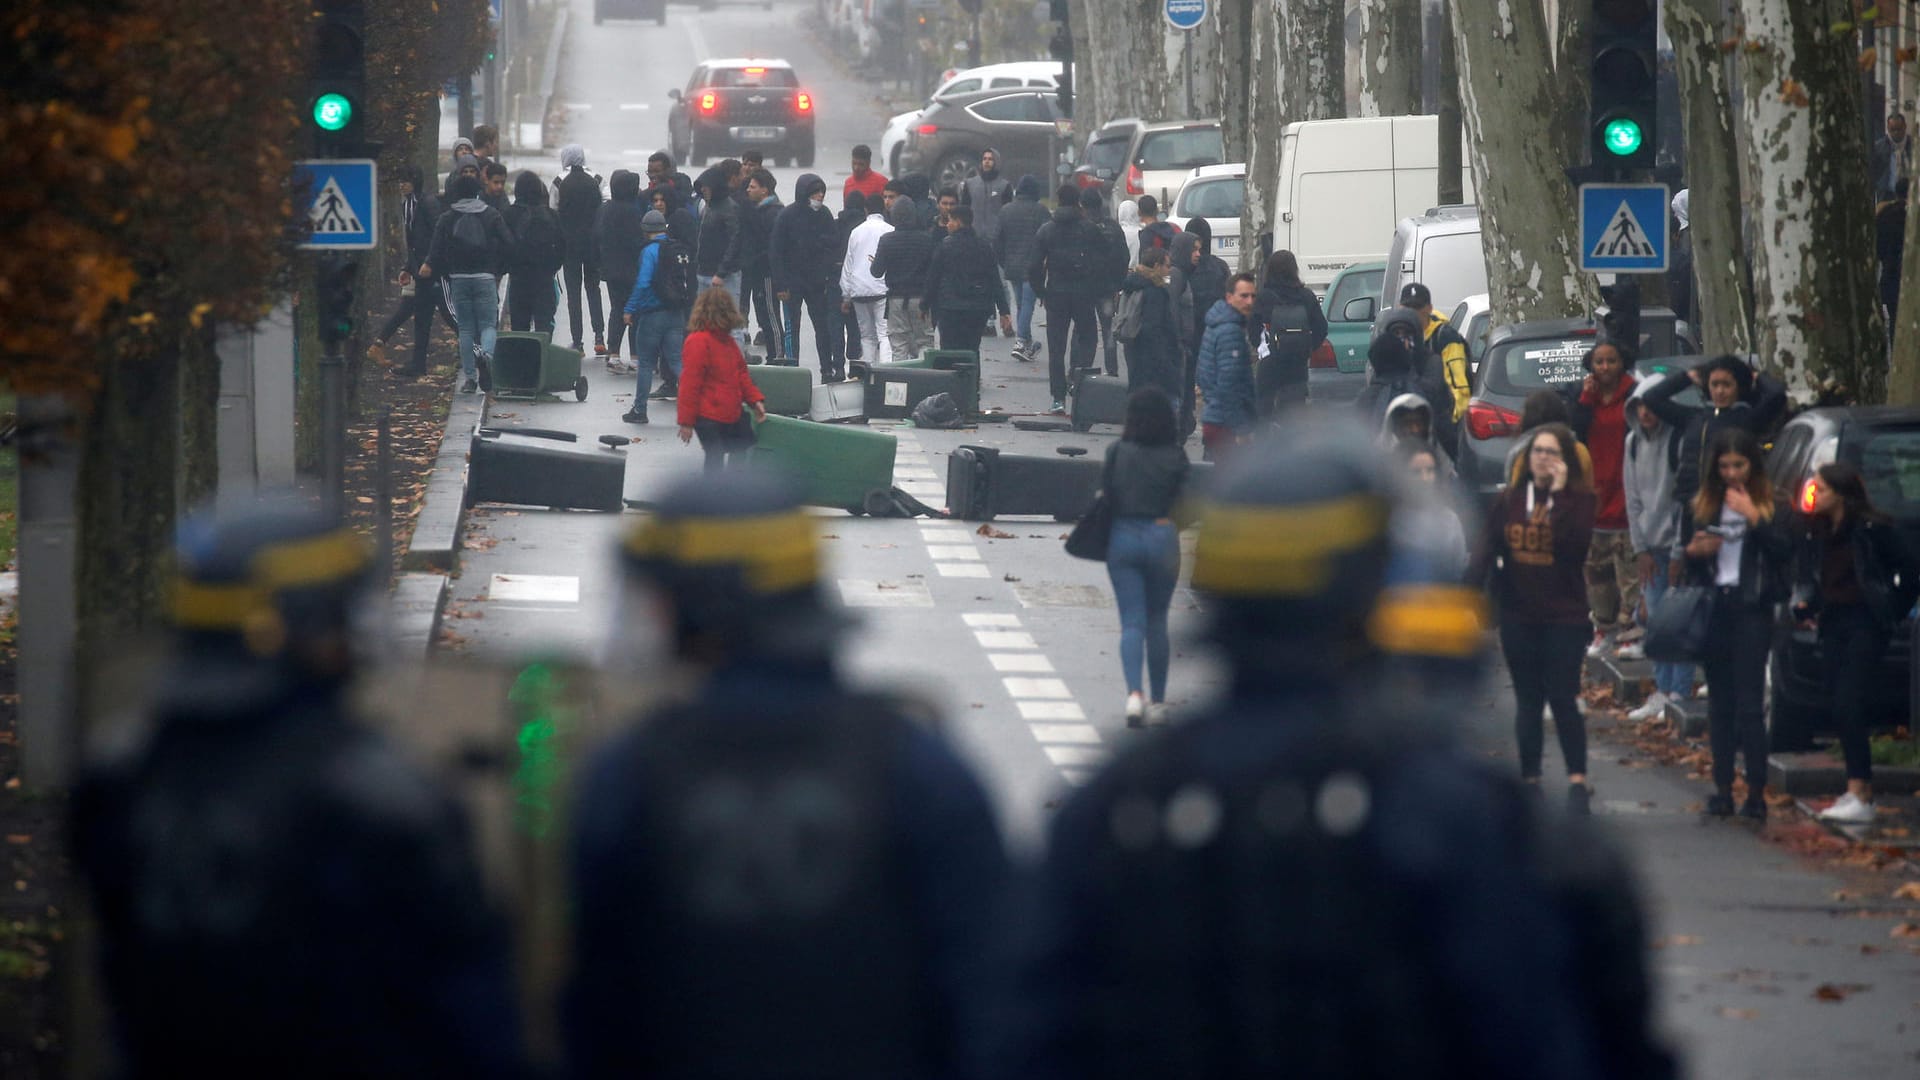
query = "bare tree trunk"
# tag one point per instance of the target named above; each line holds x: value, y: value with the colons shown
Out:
x: 1316, y: 38
x: 1126, y: 42
x: 1816, y: 307
x: 1452, y: 188
x: 1570, y: 36
x: 1298, y: 63
x: 1390, y: 50
x: 128, y: 482
x: 1723, y: 290
x: 1086, y: 73
x: 1233, y: 74
x: 1519, y: 147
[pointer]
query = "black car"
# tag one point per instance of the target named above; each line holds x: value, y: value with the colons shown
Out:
x: 1020, y: 122
x: 630, y: 9
x: 1884, y: 441
x: 734, y: 105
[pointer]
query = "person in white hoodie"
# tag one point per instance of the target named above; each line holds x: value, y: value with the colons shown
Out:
x: 1647, y: 473
x: 1127, y: 215
x: 863, y: 294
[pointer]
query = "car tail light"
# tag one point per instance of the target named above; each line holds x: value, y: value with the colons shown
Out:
x: 1323, y: 357
x: 803, y: 101
x: 1807, y: 497
x: 1136, y: 182
x: 756, y: 71
x: 927, y: 129
x: 1086, y: 179
x: 1486, y: 421
x: 709, y: 101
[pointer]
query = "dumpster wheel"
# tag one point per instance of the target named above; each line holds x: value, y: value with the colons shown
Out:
x: 580, y: 388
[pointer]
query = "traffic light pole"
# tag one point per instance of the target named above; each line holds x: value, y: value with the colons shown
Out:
x: 333, y: 393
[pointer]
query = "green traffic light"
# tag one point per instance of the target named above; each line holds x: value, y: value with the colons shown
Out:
x: 1622, y: 136
x: 332, y: 111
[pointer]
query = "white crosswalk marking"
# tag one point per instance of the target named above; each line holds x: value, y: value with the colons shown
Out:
x: 1019, y: 662
x: 1004, y: 639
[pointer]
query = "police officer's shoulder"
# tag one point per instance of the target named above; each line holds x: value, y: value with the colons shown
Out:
x: 375, y: 784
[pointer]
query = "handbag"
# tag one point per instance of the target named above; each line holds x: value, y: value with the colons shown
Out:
x: 1680, y: 624
x: 1093, y: 531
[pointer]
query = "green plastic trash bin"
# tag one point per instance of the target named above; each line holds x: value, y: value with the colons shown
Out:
x: 527, y: 365
x: 835, y: 464
x: 893, y: 390
x: 789, y: 390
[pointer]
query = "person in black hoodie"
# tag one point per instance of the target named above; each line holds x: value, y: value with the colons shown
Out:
x: 900, y: 259
x: 1737, y: 397
x: 1114, y: 267
x: 1154, y: 356
x: 578, y: 200
x: 1066, y: 270
x: 719, y: 222
x: 801, y: 255
x: 470, y: 246
x: 846, y: 328
x: 1398, y: 362
x: 419, y: 209
x: 749, y: 253
x: 538, y: 251
x: 963, y: 285
x: 1289, y: 324
x: 1020, y: 222
x: 617, y: 244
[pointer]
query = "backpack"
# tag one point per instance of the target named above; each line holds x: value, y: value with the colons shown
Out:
x: 674, y: 280
x: 1071, y: 263
x: 1113, y: 252
x: 469, y: 238
x: 540, y: 245
x: 1126, y: 314
x: 1289, y: 329
x: 938, y: 411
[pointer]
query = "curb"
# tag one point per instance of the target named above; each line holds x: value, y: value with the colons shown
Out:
x: 417, y: 603
x: 1821, y: 774
x: 436, y: 533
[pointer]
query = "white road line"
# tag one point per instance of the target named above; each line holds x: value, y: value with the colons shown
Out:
x: 908, y: 472
x: 1080, y: 734
x: 582, y: 106
x: 990, y: 618
x: 1076, y: 777
x: 1050, y: 710
x: 968, y: 570
x: 534, y: 588
x: 633, y: 106
x: 963, y: 554
x: 855, y: 592
x: 1076, y: 755
x: 1035, y: 688
x: 1016, y: 661
x: 1004, y: 639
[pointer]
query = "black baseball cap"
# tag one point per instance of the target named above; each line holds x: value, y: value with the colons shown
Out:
x: 1415, y: 295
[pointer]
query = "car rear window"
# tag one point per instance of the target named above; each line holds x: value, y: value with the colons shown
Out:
x: 1183, y: 148
x: 1212, y: 198
x: 754, y: 76
x: 1109, y: 153
x: 1890, y: 462
x: 1521, y: 367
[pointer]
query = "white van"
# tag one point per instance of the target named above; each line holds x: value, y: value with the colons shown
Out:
x: 1441, y: 250
x: 1345, y: 183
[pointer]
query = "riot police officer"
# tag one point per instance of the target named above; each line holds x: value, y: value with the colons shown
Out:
x: 1313, y: 879
x: 778, y: 877
x: 279, y: 893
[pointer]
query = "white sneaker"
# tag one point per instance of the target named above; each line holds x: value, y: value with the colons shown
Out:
x: 1702, y: 692
x: 1157, y: 714
x: 1655, y: 704
x: 1602, y: 641
x: 1631, y: 651
x: 1848, y: 809
x: 1136, y: 709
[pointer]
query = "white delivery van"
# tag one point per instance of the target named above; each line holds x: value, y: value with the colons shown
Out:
x: 1345, y: 183
x: 1441, y: 250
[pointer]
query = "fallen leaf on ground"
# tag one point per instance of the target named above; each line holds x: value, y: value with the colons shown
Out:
x: 1837, y: 991
x: 1010, y: 577
x: 1676, y: 939
x: 1909, y: 891
x: 1905, y: 930
x: 1738, y: 1014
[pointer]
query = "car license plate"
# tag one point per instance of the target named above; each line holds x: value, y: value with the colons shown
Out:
x: 764, y: 134
x: 1227, y: 242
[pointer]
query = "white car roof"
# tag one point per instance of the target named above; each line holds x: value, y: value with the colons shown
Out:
x: 1206, y: 172
x: 746, y: 61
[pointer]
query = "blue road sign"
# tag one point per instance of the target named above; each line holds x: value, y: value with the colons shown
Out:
x: 1623, y: 228
x: 1186, y: 14
x: 336, y: 203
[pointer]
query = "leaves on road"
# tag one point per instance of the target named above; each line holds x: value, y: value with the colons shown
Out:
x: 1838, y: 991
x: 993, y: 533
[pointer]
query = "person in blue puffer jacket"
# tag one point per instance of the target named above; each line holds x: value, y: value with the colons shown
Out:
x: 1224, y: 371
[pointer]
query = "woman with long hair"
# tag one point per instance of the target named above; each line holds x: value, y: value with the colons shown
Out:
x: 1146, y: 471
x: 1857, y: 578
x: 715, y: 386
x: 1733, y: 546
x: 1290, y: 325
x: 1154, y: 358
x: 1537, y: 537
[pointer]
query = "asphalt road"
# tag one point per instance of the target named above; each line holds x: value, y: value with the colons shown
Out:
x: 1015, y: 642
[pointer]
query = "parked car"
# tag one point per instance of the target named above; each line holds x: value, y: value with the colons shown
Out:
x: 732, y: 105
x: 1472, y: 317
x: 1130, y: 157
x: 1351, y: 303
x: 1884, y: 441
x: 947, y: 142
x: 1441, y: 250
x: 1037, y: 74
x: 630, y: 9
x: 1215, y: 192
x: 1104, y: 159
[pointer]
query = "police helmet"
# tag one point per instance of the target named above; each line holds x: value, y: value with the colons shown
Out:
x: 276, y: 575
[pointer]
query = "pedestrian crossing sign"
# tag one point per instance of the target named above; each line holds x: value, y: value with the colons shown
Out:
x: 1623, y: 228
x: 335, y: 203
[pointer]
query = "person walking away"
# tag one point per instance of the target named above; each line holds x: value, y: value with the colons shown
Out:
x: 719, y: 223
x: 1127, y: 216
x: 1858, y: 581
x: 1065, y: 272
x: 1534, y: 550
x: 749, y: 253
x: 1600, y: 422
x: 1114, y: 268
x: 539, y: 249
x: 1653, y: 529
x: 1892, y: 159
x: 715, y: 386
x: 774, y: 875
x: 802, y: 256
x: 1734, y: 547
x: 1291, y: 326
x: 262, y: 855
x: 1224, y: 372
x: 1890, y: 246
x: 1155, y: 233
x: 863, y: 178
x: 865, y: 291
x: 470, y: 245
x: 846, y: 329
x: 1737, y: 397
x: 1020, y: 224
x: 1444, y: 344
x: 578, y: 200
x: 1155, y: 359
x: 419, y: 300
x: 1144, y: 479
x: 963, y: 285
x: 663, y: 290
x: 901, y: 258
x: 618, y: 241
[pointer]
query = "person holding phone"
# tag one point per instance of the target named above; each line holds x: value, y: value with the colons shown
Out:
x: 1733, y: 545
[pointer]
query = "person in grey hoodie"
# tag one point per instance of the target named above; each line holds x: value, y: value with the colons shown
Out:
x: 470, y: 246
x: 1649, y: 472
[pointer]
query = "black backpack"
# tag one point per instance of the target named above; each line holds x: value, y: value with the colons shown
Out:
x: 675, y: 281
x: 540, y: 245
x: 469, y: 237
x: 1071, y: 260
x: 1290, y: 329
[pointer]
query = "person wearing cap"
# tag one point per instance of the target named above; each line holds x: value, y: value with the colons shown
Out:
x: 278, y: 891
x: 1444, y: 343
x: 777, y: 876
x: 1313, y: 877
x: 659, y: 331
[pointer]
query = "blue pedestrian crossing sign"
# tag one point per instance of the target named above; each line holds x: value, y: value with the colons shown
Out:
x: 1623, y: 228
x: 335, y: 203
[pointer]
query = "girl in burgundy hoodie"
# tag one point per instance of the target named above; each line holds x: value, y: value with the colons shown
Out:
x: 1537, y: 538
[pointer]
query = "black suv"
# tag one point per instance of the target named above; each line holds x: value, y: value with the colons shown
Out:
x: 734, y: 105
x: 1884, y: 441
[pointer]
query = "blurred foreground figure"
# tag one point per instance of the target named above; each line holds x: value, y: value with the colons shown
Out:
x: 778, y: 878
x: 1314, y: 880
x: 280, y: 893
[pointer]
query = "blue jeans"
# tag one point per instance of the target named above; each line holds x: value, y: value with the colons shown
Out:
x: 657, y: 338
x: 1674, y: 680
x: 1143, y: 562
x: 1023, y: 317
x: 477, y: 308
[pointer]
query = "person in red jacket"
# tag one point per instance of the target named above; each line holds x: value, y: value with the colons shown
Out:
x: 714, y: 383
x: 1612, y: 573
